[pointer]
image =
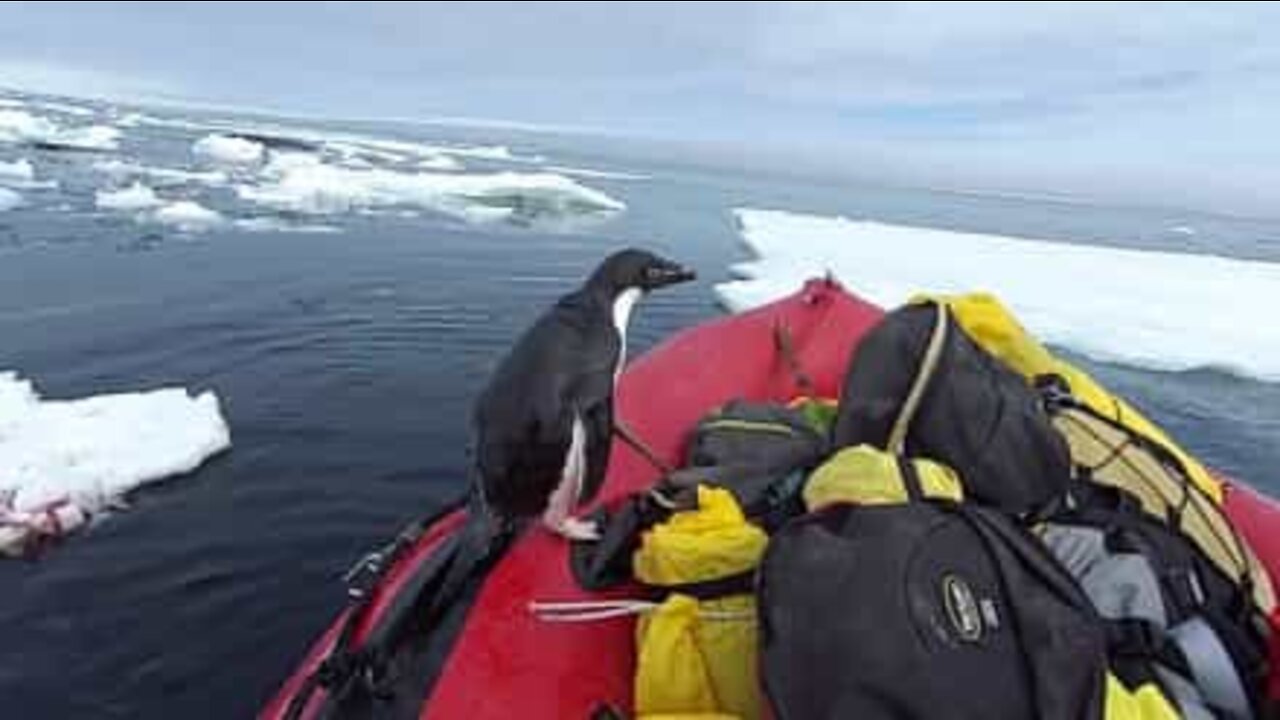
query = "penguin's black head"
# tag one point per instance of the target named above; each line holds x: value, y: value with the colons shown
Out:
x: 635, y: 268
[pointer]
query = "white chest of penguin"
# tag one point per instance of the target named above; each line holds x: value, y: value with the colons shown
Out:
x: 622, y: 307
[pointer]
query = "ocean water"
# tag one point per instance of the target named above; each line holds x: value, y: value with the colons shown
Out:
x: 344, y: 289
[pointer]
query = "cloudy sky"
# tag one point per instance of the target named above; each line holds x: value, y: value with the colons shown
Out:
x: 1149, y: 101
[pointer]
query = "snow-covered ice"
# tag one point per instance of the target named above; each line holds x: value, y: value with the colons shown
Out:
x: 132, y: 198
x: 1159, y: 310
x: 187, y: 215
x: 228, y: 150
x: 92, y: 451
x: 22, y: 127
x: 302, y: 183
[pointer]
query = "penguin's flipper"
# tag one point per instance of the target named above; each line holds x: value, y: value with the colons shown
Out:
x: 598, y: 421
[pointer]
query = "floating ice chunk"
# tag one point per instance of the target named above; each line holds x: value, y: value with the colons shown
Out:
x: 296, y: 182
x: 1159, y: 310
x: 228, y: 150
x: 19, y: 126
x: 9, y: 199
x: 92, y: 137
x: 92, y: 451
x: 135, y: 197
x: 160, y: 176
x: 21, y: 175
x: 187, y: 215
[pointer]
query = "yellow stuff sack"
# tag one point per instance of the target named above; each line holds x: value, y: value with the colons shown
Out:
x: 864, y: 475
x: 1145, y: 702
x: 697, y: 658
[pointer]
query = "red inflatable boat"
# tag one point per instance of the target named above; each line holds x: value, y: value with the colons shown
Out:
x: 502, y: 661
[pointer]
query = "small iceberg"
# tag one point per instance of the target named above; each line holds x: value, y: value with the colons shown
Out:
x: 302, y: 183
x: 187, y: 216
x: 23, y: 128
x: 228, y: 150
x: 65, y: 460
x: 135, y: 197
x: 21, y: 175
x: 159, y: 176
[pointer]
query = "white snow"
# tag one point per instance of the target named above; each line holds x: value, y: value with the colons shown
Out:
x: 92, y: 451
x: 19, y: 126
x: 159, y: 176
x: 595, y: 174
x: 135, y: 197
x: 228, y: 150
x: 187, y: 215
x: 302, y: 183
x: 1159, y: 310
x: 9, y: 199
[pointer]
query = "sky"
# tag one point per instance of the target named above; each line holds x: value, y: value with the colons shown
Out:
x: 1161, y: 102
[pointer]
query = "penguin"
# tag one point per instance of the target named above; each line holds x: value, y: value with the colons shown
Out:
x: 542, y: 427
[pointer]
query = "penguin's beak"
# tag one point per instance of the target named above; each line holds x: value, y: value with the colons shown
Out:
x: 667, y: 273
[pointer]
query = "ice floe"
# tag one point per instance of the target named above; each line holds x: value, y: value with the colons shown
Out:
x: 132, y: 198
x: 1158, y: 310
x: 228, y: 150
x: 302, y: 183
x: 159, y: 176
x: 187, y: 216
x: 22, y: 127
x: 88, y: 453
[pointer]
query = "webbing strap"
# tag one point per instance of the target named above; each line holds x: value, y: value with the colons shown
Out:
x: 1211, y: 667
x: 910, y: 479
x: 928, y: 365
x: 742, y: 583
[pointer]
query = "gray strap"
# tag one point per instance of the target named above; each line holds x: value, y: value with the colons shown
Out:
x: 928, y: 365
x: 1120, y: 585
x: 1190, y: 703
x: 1211, y: 668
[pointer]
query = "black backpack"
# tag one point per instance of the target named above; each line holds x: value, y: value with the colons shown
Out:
x: 919, y: 386
x: 926, y: 609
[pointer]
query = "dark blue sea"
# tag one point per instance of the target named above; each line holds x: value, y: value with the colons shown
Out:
x: 345, y: 311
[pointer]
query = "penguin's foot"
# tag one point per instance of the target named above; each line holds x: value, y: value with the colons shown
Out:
x: 574, y: 529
